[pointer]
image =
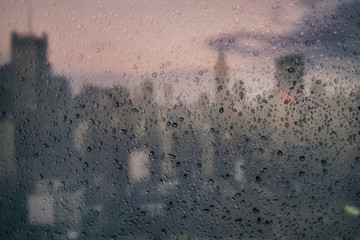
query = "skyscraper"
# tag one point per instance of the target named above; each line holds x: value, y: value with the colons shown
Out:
x: 29, y: 66
x: 222, y: 92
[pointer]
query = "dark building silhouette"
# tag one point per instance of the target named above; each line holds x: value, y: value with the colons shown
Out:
x: 289, y: 73
x: 286, y: 103
x: 34, y: 124
x: 222, y: 92
x: 30, y: 52
x: 29, y: 68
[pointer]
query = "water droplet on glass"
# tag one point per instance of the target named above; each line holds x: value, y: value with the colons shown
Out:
x: 291, y: 69
x: 323, y: 162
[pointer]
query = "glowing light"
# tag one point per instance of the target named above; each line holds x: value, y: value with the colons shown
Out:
x: 284, y: 96
x: 352, y: 210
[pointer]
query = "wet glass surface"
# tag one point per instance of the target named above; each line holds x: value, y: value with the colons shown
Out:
x: 234, y: 120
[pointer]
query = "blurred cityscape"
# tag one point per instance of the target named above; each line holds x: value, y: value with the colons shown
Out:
x: 109, y: 164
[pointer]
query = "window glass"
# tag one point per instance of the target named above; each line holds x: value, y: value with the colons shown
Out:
x: 179, y: 120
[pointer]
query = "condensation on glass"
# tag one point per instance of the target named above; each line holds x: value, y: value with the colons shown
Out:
x: 266, y: 149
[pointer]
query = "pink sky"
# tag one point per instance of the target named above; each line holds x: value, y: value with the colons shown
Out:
x: 138, y: 36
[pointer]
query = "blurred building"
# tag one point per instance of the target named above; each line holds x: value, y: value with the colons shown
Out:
x: 34, y: 110
x: 222, y: 92
x: 286, y: 103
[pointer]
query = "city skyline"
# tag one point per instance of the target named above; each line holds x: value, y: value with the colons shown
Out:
x: 234, y: 146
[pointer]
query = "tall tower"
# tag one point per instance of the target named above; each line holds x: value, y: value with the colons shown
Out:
x: 289, y: 73
x: 288, y: 107
x: 29, y: 64
x: 222, y: 93
x: 29, y: 53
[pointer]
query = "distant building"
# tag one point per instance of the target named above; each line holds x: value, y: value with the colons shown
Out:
x: 222, y: 92
x: 33, y: 101
x: 28, y: 65
x: 289, y: 76
x: 286, y: 104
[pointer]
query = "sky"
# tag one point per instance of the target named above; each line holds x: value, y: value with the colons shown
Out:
x: 93, y: 37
